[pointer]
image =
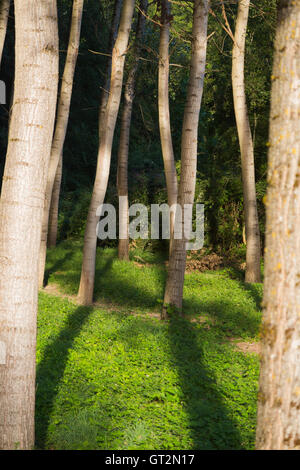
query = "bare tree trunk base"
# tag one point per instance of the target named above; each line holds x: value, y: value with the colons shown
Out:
x: 123, y: 250
x: 253, y: 278
x: 174, y: 286
x: 171, y: 310
x: 85, y: 293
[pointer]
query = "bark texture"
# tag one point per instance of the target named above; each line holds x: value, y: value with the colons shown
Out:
x: 112, y: 39
x: 164, y: 111
x: 278, y: 424
x: 246, y: 145
x: 53, y: 216
x: 63, y: 110
x: 4, y: 11
x: 175, y: 279
x: 21, y: 209
x: 122, y: 171
x: 86, y: 288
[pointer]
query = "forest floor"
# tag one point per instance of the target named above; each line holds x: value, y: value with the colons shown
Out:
x: 113, y: 376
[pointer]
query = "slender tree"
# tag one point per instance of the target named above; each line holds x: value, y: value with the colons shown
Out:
x: 122, y: 171
x: 164, y: 111
x: 4, y: 11
x: 246, y: 145
x: 21, y: 209
x: 111, y: 42
x: 186, y: 193
x: 278, y: 426
x: 86, y: 288
x: 63, y: 110
x: 53, y: 215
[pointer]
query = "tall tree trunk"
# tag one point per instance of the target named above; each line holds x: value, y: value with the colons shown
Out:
x: 86, y: 288
x: 278, y: 424
x: 186, y: 193
x: 4, y: 11
x: 112, y: 39
x: 21, y: 210
x: 53, y: 216
x: 63, y: 110
x: 246, y: 145
x: 163, y: 109
x: 122, y: 172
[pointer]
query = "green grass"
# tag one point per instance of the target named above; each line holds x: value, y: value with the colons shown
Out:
x: 116, y: 377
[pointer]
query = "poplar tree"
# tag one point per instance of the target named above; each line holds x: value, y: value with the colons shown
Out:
x: 21, y: 211
x: 189, y: 143
x: 278, y: 424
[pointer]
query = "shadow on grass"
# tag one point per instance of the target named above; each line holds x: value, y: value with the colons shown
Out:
x: 51, y: 369
x: 209, y: 423
x: 58, y: 264
x: 255, y: 290
x: 126, y: 285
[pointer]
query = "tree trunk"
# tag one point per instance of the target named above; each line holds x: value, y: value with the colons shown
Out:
x: 63, y: 111
x: 122, y: 172
x: 4, y: 11
x: 86, y: 288
x: 21, y: 209
x: 175, y: 280
x: 246, y: 145
x: 278, y: 426
x: 111, y: 43
x: 53, y: 216
x: 163, y: 110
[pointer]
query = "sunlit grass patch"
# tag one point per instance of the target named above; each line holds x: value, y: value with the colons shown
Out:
x: 119, y: 378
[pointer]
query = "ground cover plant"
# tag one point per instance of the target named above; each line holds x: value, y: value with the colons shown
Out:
x: 113, y: 376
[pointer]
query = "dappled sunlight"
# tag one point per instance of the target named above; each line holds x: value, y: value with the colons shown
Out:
x: 175, y: 384
x: 227, y: 302
x: 105, y: 373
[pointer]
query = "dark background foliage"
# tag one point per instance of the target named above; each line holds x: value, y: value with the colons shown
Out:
x: 219, y: 183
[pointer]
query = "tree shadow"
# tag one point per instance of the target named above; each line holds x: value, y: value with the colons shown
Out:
x: 252, y: 289
x: 58, y: 264
x: 126, y: 286
x: 50, y: 371
x: 210, y: 426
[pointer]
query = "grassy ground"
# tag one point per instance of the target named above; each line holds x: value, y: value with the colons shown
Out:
x: 113, y: 376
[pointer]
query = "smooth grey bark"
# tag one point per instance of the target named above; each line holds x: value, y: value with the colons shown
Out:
x: 86, y: 288
x: 278, y: 423
x: 246, y: 145
x: 62, y: 118
x: 122, y: 170
x: 53, y: 215
x: 21, y: 209
x: 112, y: 39
x: 186, y: 192
x: 4, y: 11
x: 164, y: 111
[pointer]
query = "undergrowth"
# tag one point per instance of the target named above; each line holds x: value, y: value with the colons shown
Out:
x: 113, y: 376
